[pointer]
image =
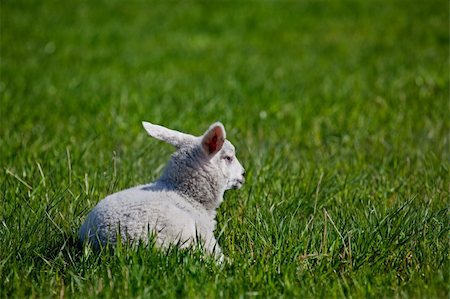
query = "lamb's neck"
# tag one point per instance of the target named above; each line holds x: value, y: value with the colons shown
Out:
x: 195, y: 186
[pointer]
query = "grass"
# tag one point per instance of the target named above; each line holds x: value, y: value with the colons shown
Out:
x: 339, y: 112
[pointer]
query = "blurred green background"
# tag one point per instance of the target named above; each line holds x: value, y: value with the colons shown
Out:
x: 339, y: 111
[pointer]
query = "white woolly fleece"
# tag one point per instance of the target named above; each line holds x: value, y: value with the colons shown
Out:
x: 180, y: 207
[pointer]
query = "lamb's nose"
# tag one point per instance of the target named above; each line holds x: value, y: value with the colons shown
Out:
x: 243, y: 173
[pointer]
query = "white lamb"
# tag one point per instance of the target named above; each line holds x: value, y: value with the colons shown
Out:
x: 180, y: 207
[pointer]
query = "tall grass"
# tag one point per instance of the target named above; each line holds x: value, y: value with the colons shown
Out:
x: 339, y: 112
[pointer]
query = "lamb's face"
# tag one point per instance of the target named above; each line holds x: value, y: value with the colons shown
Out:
x: 208, y: 156
x: 229, y: 166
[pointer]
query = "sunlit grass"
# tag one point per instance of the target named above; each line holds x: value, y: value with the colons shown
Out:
x: 339, y: 111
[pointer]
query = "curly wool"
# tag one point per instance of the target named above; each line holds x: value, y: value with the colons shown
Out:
x: 180, y: 207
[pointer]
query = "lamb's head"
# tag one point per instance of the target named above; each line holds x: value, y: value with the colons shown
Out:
x: 203, y: 166
x: 221, y: 156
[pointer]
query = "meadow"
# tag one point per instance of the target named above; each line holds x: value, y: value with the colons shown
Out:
x: 339, y: 111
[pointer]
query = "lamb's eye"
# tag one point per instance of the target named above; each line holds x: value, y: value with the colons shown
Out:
x: 228, y: 158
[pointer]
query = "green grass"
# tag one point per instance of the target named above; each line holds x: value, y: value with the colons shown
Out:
x: 339, y: 111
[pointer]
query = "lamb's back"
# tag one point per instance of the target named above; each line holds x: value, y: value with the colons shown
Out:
x: 138, y: 212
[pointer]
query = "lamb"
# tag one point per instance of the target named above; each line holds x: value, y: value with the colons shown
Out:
x: 178, y: 208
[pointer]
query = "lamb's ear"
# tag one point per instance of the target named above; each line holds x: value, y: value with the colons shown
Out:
x: 177, y: 139
x: 213, y: 139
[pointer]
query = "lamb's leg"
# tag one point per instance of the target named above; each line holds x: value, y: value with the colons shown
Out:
x: 213, y: 248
